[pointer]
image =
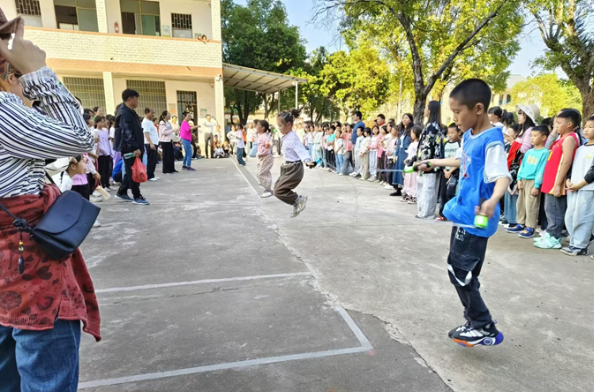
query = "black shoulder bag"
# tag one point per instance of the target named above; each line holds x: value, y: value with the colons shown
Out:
x: 62, y: 229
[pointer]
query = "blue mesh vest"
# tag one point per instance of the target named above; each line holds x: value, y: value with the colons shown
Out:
x: 472, y: 186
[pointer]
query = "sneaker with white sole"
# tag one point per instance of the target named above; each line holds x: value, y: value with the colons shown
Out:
x: 141, y: 201
x: 266, y: 194
x: 124, y: 198
x: 549, y: 242
x: 154, y: 179
x: 470, y: 337
x: 95, y: 199
x: 97, y: 223
x: 573, y: 251
x: 463, y: 327
x: 299, y: 206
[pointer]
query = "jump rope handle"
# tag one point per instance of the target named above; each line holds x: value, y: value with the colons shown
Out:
x: 481, y: 221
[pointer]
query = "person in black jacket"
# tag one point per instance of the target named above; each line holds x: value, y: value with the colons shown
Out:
x: 129, y: 139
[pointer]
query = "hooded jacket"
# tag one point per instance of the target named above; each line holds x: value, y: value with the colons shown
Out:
x: 128, y: 131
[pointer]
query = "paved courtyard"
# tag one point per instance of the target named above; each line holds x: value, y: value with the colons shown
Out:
x: 213, y: 289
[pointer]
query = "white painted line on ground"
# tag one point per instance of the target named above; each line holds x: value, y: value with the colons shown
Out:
x: 355, y: 328
x: 222, y: 366
x: 248, y: 181
x: 204, y: 281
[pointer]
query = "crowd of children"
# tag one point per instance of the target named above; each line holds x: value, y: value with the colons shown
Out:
x: 550, y: 162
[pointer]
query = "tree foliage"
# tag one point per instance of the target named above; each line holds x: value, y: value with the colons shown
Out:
x: 547, y: 92
x: 259, y: 36
x: 440, y: 41
x: 566, y: 29
x: 358, y: 80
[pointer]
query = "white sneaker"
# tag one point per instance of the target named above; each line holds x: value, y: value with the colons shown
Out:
x: 389, y: 187
x: 95, y: 199
x: 340, y: 174
x: 299, y: 206
x: 266, y: 194
x: 154, y: 179
x: 97, y: 223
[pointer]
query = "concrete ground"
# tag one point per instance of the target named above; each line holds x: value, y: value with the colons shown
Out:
x: 213, y: 289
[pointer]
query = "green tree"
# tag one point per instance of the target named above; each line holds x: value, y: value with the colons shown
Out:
x: 566, y: 29
x: 547, y: 92
x: 440, y: 41
x: 259, y: 36
x: 358, y: 80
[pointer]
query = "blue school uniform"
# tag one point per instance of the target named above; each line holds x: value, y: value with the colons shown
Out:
x: 472, y: 186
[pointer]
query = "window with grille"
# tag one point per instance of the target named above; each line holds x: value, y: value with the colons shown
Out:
x: 186, y: 102
x: 152, y: 95
x: 90, y: 91
x: 30, y: 12
x: 28, y: 7
x: 182, y: 25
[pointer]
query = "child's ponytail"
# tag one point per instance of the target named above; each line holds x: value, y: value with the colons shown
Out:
x: 264, y: 124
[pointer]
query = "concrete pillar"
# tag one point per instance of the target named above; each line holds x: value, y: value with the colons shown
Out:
x: 219, y: 91
x: 110, y: 104
x: 215, y: 14
x: 101, y: 15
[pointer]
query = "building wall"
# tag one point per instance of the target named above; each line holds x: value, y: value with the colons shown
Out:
x: 62, y: 44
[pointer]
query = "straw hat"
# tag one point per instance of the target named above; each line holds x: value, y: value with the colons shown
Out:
x: 532, y: 111
x: 7, y: 27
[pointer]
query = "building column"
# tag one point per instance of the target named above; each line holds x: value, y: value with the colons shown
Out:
x: 219, y: 91
x: 101, y: 15
x: 215, y: 15
x: 109, y: 97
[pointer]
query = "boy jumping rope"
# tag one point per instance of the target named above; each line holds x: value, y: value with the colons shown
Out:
x: 484, y: 178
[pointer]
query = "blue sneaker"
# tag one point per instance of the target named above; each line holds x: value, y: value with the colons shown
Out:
x: 141, y: 201
x: 515, y: 228
x: 123, y: 197
x: 527, y: 233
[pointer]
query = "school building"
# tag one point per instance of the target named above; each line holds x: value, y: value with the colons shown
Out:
x: 170, y: 51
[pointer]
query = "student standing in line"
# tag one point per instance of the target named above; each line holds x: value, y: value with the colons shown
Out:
x: 240, y: 144
x: 364, y: 154
x: 450, y: 149
x: 400, y: 155
x: 483, y: 180
x: 580, y: 196
x: 357, y: 152
x: 318, y: 135
x: 348, y: 150
x: 104, y: 161
x: 390, y: 152
x: 265, y: 159
x: 553, y: 184
x: 410, y: 179
x: 331, y: 157
x: 310, y: 141
x: 339, y: 151
x: 373, y: 153
x: 529, y: 182
x: 291, y: 173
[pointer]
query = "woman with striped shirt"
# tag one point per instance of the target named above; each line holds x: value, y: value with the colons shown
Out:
x: 41, y: 309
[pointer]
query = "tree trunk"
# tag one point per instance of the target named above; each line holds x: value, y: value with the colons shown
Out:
x: 587, y: 105
x: 419, y: 108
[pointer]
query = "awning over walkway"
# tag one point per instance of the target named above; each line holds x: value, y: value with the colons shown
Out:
x: 244, y: 78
